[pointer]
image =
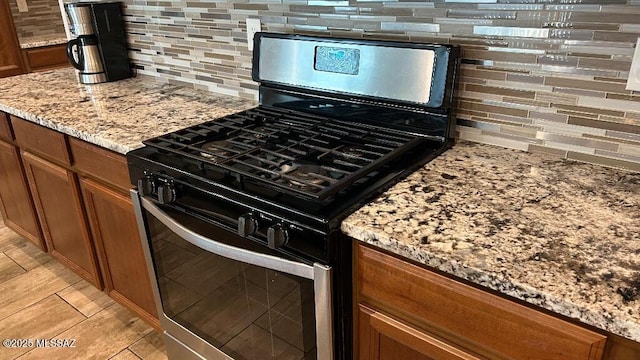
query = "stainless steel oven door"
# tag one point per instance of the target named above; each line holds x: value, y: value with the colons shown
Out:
x: 221, y: 296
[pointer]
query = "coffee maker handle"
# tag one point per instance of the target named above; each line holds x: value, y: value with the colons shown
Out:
x: 78, y: 65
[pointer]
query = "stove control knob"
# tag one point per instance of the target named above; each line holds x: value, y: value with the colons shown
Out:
x: 247, y: 225
x: 277, y: 236
x: 146, y: 185
x: 166, y: 193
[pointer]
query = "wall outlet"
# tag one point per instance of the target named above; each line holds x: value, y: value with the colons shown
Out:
x: 253, y: 26
x: 633, y: 83
x: 22, y: 6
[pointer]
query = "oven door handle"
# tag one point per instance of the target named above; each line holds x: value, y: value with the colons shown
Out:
x: 228, y: 251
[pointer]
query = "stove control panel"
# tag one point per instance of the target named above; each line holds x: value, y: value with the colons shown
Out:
x: 163, y: 188
x: 271, y: 230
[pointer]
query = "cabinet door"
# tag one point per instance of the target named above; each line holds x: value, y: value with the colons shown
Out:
x: 10, y: 53
x: 487, y: 324
x: 384, y: 338
x: 57, y: 199
x: 15, y: 198
x: 115, y: 232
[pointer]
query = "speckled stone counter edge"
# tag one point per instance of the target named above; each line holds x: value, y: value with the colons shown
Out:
x: 630, y: 330
x: 43, y: 43
x: 114, y: 146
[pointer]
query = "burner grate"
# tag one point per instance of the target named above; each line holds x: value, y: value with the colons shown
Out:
x: 305, y: 154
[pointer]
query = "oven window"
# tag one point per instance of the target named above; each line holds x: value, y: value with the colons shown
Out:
x: 246, y: 311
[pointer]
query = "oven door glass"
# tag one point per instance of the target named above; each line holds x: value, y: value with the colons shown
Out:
x: 245, y: 310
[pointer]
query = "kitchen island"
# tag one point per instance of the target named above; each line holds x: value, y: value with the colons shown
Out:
x: 560, y: 235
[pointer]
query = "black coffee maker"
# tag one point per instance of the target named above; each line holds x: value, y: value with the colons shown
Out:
x: 99, y: 49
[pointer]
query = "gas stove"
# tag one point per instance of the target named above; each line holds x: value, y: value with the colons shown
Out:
x: 338, y: 122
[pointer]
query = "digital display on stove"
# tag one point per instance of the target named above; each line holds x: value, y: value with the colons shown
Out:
x: 337, y: 60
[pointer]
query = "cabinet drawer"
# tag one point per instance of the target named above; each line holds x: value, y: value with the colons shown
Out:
x: 5, y: 128
x: 40, y: 140
x: 47, y: 57
x: 474, y: 318
x: 100, y: 163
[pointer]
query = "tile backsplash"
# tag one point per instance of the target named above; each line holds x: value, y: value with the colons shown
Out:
x: 537, y: 75
x: 42, y: 19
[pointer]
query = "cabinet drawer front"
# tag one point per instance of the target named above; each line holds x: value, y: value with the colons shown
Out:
x: 47, y: 57
x: 5, y: 128
x: 402, y: 341
x: 468, y: 315
x: 100, y: 163
x: 40, y: 140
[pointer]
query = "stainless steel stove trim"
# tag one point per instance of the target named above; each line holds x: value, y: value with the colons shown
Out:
x: 399, y: 73
x: 320, y: 274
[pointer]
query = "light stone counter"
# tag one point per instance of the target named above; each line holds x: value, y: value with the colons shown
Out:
x: 116, y: 115
x: 42, y: 40
x: 558, y: 234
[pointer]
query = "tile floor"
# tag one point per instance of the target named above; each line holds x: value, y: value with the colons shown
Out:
x: 41, y: 299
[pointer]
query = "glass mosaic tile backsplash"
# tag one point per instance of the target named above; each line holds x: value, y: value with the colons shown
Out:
x: 537, y: 75
x: 42, y: 19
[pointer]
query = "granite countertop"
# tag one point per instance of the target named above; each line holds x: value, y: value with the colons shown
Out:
x: 116, y: 115
x: 558, y: 234
x: 42, y: 40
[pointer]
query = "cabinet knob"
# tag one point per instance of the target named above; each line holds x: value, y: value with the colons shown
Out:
x: 166, y: 193
x: 277, y: 236
x: 247, y: 225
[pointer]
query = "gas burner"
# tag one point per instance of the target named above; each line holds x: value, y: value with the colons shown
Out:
x: 351, y: 151
x: 258, y: 132
x: 216, y: 150
x: 306, y: 175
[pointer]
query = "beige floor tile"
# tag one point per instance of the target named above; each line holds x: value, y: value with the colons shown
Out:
x: 29, y: 288
x: 85, y: 298
x: 8, y: 238
x: 125, y: 354
x: 27, y: 255
x: 8, y: 268
x: 150, y: 347
x: 100, y: 337
x: 42, y: 320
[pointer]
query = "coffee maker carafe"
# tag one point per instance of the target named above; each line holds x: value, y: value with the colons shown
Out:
x: 99, y: 49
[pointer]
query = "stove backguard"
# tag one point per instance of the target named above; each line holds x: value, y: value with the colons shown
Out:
x: 418, y: 75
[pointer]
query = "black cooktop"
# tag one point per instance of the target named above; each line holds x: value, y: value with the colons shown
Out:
x: 305, y: 155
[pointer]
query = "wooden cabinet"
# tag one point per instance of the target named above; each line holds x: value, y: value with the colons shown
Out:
x: 382, y: 337
x: 10, y: 54
x: 39, y: 140
x: 5, y: 128
x: 622, y: 349
x: 406, y: 308
x: 115, y: 233
x: 85, y: 215
x: 105, y: 189
x: 46, y: 57
x: 15, y: 199
x: 59, y: 207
